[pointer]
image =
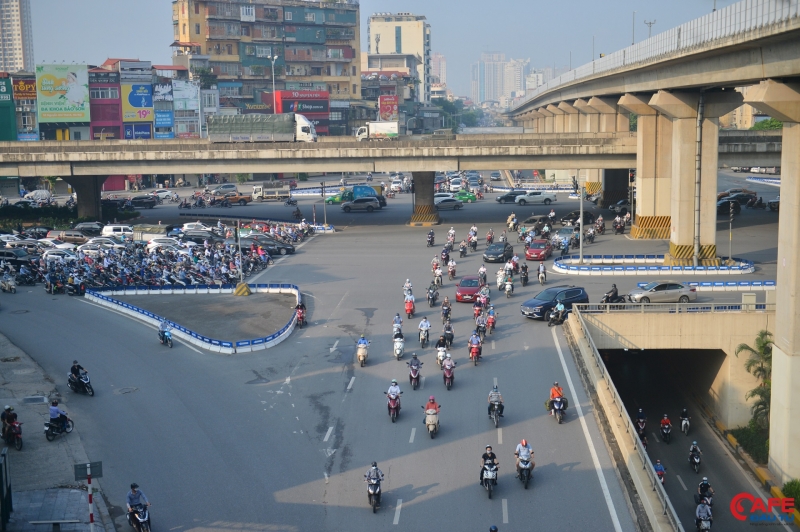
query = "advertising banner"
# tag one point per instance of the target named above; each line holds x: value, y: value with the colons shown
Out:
x: 137, y: 131
x: 164, y: 119
x: 62, y: 93
x: 186, y: 96
x: 27, y: 137
x: 303, y: 95
x: 387, y: 108
x: 302, y: 101
x: 24, y: 88
x: 162, y: 92
x: 137, y: 102
x: 6, y: 93
x: 306, y: 106
x: 164, y: 135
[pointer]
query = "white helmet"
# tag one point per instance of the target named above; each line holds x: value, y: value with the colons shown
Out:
x: 447, y: 355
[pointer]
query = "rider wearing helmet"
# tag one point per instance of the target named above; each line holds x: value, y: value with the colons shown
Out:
x: 495, y: 397
x: 448, y: 363
x: 665, y: 422
x: 441, y: 342
x: 555, y: 392
x: 362, y: 341
x: 659, y: 468
x: 397, y: 320
x: 702, y: 513
x: 394, y: 389
x: 134, y: 499
x: 415, y: 362
x: 612, y: 294
x: 431, y: 405
x: 704, y: 490
x: 374, y: 473
x: 8, y: 417
x: 524, y: 452
x: 694, y: 448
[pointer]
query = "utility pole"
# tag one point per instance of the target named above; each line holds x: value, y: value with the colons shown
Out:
x: 324, y: 203
x: 649, y: 26
x: 730, y: 233
x: 633, y: 30
x: 593, y: 48
x: 581, y: 190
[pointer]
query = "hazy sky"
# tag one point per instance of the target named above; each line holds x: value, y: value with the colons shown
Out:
x: 89, y: 31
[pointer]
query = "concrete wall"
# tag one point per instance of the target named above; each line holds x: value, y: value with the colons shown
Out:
x: 721, y: 382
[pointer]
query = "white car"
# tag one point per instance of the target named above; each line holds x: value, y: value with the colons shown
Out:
x: 107, y: 242
x: 168, y: 241
x: 397, y: 185
x: 9, y: 238
x: 59, y: 254
x: 455, y: 184
x: 440, y: 195
x: 535, y: 196
x: 174, y: 249
x: 56, y: 243
x: 162, y: 193
x: 92, y: 250
x: 448, y: 203
x: 196, y: 226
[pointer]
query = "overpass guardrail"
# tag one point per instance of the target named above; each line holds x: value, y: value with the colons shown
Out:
x: 670, y: 308
x: 630, y: 429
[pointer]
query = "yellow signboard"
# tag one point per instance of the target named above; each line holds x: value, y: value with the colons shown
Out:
x: 137, y: 102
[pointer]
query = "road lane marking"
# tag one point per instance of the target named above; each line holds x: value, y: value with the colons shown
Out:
x: 328, y: 434
x: 655, y: 437
x: 505, y: 511
x: 334, y: 346
x: 397, y: 512
x: 600, y: 475
x: 352, y: 380
x: 492, y: 344
x: 495, y: 381
x: 682, y: 484
x: 413, y: 432
x: 499, y: 436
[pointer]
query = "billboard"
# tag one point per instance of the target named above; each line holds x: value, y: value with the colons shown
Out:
x: 62, y: 93
x: 302, y: 102
x: 306, y: 106
x: 164, y: 119
x: 137, y: 131
x: 24, y: 88
x: 186, y: 95
x: 6, y: 92
x: 137, y: 102
x: 387, y: 108
x: 162, y: 92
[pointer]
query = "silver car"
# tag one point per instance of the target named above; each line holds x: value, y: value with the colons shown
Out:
x: 663, y: 292
x: 368, y: 204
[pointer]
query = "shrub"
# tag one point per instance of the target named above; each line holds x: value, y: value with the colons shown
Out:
x: 754, y: 440
x: 792, y: 489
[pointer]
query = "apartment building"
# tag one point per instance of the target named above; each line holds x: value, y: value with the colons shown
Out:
x: 403, y: 33
x: 16, y: 36
x: 438, y: 68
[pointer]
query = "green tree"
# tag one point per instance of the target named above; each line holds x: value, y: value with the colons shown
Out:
x: 759, y: 364
x: 242, y: 178
x: 206, y: 77
x: 769, y: 123
x: 633, y: 121
x: 51, y: 182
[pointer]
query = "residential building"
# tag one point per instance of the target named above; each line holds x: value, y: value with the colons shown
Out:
x: 438, y: 68
x: 403, y: 33
x: 533, y: 80
x: 27, y: 122
x: 16, y: 36
x: 105, y: 103
x: 488, y: 76
x: 408, y: 64
x: 514, y: 77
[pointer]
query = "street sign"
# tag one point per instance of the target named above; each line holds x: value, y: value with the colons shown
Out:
x: 80, y: 470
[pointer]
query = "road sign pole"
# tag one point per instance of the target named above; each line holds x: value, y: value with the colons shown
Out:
x: 324, y: 209
x: 91, y: 501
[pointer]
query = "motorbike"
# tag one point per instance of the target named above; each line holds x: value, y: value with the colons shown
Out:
x: 666, y: 433
x: 475, y: 354
x: 76, y: 289
x: 491, y: 322
x: 495, y: 414
x: 542, y: 278
x: 7, y: 284
x: 600, y: 228
x: 423, y: 337
x: 431, y: 421
x: 501, y: 276
x: 399, y: 346
x: 474, y: 244
x: 449, y: 376
x: 410, y: 308
x: 165, y: 337
x: 451, y: 273
x: 661, y: 477
x: 476, y: 311
x: 432, y: 296
x: 524, y: 278
x: 431, y: 241
x: 509, y: 289
x: 704, y: 524
x: 462, y: 251
x: 362, y: 353
x: 413, y: 374
x: 51, y: 430
x: 589, y: 237
x: 301, y: 317
x: 448, y: 337
x: 489, y: 477
x: 481, y: 330
x: 14, y: 435
x: 374, y: 491
x: 640, y: 424
x: 489, y: 239
x: 291, y: 202
x: 555, y: 320
x: 482, y: 276
x: 525, y: 471
x: 393, y: 405
x: 445, y: 314
x: 694, y: 461
x: 619, y: 228
x: 559, y: 407
x: 437, y: 278
x: 685, y: 426
x: 755, y: 204
x: 80, y: 385
x: 142, y: 516
x: 441, y: 353
x: 26, y: 279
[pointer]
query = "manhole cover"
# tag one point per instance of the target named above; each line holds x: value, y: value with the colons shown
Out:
x: 125, y: 390
x: 20, y: 311
x: 23, y: 371
x: 34, y: 399
x: 9, y: 359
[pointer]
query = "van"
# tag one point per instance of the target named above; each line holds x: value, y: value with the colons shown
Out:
x: 118, y: 231
x: 70, y: 236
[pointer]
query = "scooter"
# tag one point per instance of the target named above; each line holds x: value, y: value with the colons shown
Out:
x: 142, y: 516
x: 509, y: 289
x: 524, y: 278
x: 559, y: 407
x: 694, y: 461
x: 14, y: 435
x: 413, y: 374
x: 489, y: 477
x: 7, y: 284
x: 542, y: 278
x: 475, y: 354
x: 666, y: 433
x: 399, y: 345
x: 80, y: 385
x: 410, y: 308
x: 423, y: 338
x: 491, y: 322
x: 619, y: 228
x: 449, y: 376
x: 393, y: 405
x: 51, y: 430
x: 525, y: 473
x: 481, y: 330
x: 445, y: 314
x: 432, y: 296
x: 374, y: 491
x: 165, y: 337
x: 431, y: 241
x: 441, y: 353
x: 462, y: 251
x: 431, y: 421
x: 451, y: 273
x: 301, y: 317
x: 555, y: 320
x: 362, y: 353
x: 704, y: 524
x: 640, y: 424
x: 685, y: 426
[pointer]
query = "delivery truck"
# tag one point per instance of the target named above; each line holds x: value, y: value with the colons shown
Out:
x: 287, y: 127
x: 378, y: 131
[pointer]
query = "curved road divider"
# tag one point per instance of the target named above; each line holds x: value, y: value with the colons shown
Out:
x: 641, y: 265
x: 248, y: 219
x: 103, y: 297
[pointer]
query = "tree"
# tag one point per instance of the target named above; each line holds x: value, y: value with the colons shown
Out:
x: 242, y: 178
x: 759, y: 364
x: 51, y: 182
x: 633, y: 122
x: 206, y: 77
x: 769, y: 123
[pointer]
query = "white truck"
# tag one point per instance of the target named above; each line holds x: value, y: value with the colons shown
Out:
x: 378, y: 131
x: 287, y: 127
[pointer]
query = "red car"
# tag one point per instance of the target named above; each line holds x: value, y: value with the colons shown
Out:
x: 468, y: 288
x: 539, y: 250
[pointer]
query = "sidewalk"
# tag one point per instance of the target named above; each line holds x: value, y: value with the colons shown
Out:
x: 42, y: 476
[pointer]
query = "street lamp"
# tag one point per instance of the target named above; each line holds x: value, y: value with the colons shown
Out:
x: 272, y: 60
x: 409, y: 120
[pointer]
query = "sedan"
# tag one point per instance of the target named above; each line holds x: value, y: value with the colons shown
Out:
x: 539, y: 250
x: 621, y: 207
x: 466, y: 196
x: 448, y: 203
x: 536, y: 222
x: 92, y: 250
x: 272, y: 247
x: 741, y: 197
x: 663, y: 292
x: 167, y: 241
x: 92, y: 228
x: 442, y: 195
x: 396, y: 186
x: 572, y: 218
x: 541, y: 303
x: 56, y: 243
x: 162, y: 193
x: 108, y: 242
x: 467, y: 288
x: 498, y: 252
x: 196, y: 226
x: 59, y: 254
x: 494, y: 176
x: 144, y: 202
x: 26, y: 203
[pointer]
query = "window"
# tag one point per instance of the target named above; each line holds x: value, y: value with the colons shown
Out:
x: 336, y: 116
x: 209, y: 100
x: 229, y: 91
x: 355, y: 88
x: 248, y: 13
x: 196, y: 8
x: 229, y: 48
x: 197, y: 28
x: 246, y: 31
x: 398, y: 39
x: 311, y: 17
x: 288, y: 15
x: 354, y: 70
x: 28, y: 119
x: 331, y: 17
x: 104, y: 93
x: 184, y: 30
x: 263, y: 51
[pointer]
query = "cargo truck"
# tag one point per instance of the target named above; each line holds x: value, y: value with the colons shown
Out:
x: 262, y: 193
x: 287, y: 127
x: 378, y: 131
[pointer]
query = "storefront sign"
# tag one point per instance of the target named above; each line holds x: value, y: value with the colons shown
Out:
x: 62, y: 93
x: 137, y: 131
x: 164, y: 119
x: 24, y: 88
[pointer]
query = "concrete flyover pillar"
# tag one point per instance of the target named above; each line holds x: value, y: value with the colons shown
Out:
x: 425, y: 212
x: 558, y: 118
x: 782, y: 101
x: 537, y: 126
x: 548, y: 119
x: 571, y: 117
x: 681, y: 108
x: 88, y: 189
x: 611, y: 119
x: 653, y: 168
x: 588, y: 119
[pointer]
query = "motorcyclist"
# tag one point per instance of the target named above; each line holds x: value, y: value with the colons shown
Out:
x: 437, y: 276
x: 617, y: 220
x: 441, y: 342
x: 495, y: 397
x: 431, y: 236
x: 490, y: 236
x: 449, y: 332
x: 704, y: 489
x: 432, y: 287
x: 511, y: 221
x: 434, y: 263
x: 446, y: 306
x: 703, y: 513
x: 509, y: 283
x: 475, y: 340
x: 665, y: 422
x: 397, y: 320
x: 407, y: 286
x: 431, y: 405
x: 57, y: 416
x: 482, y: 273
x: 559, y: 308
x: 424, y: 326
x: 552, y: 214
x: 612, y: 294
x: 8, y: 417
x: 162, y: 328
x: 659, y: 468
x: 394, y: 389
x: 694, y: 448
x: 362, y: 341
x: 448, y: 362
x: 451, y: 234
x: 135, y: 498
x: 524, y: 452
x: 640, y: 415
x: 484, y: 291
x: 481, y: 321
x: 451, y: 266
x: 541, y: 270
x: 374, y: 473
x: 76, y: 369
x: 555, y: 392
x: 685, y: 415
x: 488, y: 456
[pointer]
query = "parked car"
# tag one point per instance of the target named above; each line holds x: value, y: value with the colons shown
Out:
x: 539, y: 250
x: 199, y: 238
x: 55, y: 243
x: 509, y: 196
x: 70, y: 236
x: 573, y: 216
x: 92, y: 250
x: 197, y: 226
x: 535, y: 196
x: 27, y: 204
x: 144, y: 202
x: 108, y: 242
x: 31, y: 247
x: 448, y: 203
x: 467, y: 287
x: 368, y: 204
x: 39, y: 231
x: 272, y: 247
x: 741, y: 197
x: 498, y: 252
x: 494, y: 176
x: 663, y: 292
x: 540, y: 305
x: 60, y: 255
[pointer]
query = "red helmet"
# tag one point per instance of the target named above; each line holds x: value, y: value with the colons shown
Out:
x: 524, y: 443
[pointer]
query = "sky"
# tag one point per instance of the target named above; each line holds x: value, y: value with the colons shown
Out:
x: 546, y: 32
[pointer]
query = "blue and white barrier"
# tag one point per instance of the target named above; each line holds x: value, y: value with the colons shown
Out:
x: 248, y: 219
x: 641, y: 265
x: 102, y: 296
x: 772, y: 181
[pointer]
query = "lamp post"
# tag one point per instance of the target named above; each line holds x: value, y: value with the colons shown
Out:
x: 272, y: 61
x: 409, y: 120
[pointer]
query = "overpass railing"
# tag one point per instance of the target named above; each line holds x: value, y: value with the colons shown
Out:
x: 670, y: 308
x: 735, y: 20
x: 630, y: 429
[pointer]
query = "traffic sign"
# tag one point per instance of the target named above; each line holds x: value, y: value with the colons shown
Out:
x: 96, y: 468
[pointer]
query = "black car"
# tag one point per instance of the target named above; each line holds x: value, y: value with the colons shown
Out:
x: 535, y: 222
x: 273, y: 247
x: 92, y: 228
x: 143, y: 202
x: 498, y: 252
x: 571, y: 218
x: 741, y: 197
x: 199, y: 238
x: 540, y: 305
x: 509, y: 196
x: 15, y: 257
x: 724, y: 206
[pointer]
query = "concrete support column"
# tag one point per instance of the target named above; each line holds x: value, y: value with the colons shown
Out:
x: 88, y: 189
x: 558, y: 118
x: 609, y: 112
x: 571, y: 117
x: 682, y: 108
x: 588, y: 119
x: 782, y: 101
x: 425, y: 212
x: 548, y: 120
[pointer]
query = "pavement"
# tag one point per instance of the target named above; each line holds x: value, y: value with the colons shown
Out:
x: 42, y: 476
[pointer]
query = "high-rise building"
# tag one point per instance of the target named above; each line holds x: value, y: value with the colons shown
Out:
x: 439, y: 68
x: 403, y: 33
x: 496, y: 79
x: 16, y: 36
x: 514, y: 80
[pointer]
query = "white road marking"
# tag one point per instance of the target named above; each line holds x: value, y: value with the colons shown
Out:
x: 422, y: 383
x: 352, y: 380
x: 413, y: 432
x: 492, y: 344
x: 499, y: 436
x: 495, y: 381
x: 326, y: 476
x: 505, y: 511
x: 328, y: 434
x: 397, y: 512
x: 655, y: 437
x: 600, y: 475
x: 682, y: 484
x: 334, y: 346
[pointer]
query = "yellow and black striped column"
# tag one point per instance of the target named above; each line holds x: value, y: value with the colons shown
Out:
x: 425, y: 212
x: 651, y: 227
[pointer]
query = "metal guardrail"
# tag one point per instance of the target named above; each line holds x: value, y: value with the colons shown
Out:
x: 735, y: 20
x: 671, y: 308
x: 668, y: 509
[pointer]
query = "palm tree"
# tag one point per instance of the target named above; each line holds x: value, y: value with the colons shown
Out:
x: 759, y: 364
